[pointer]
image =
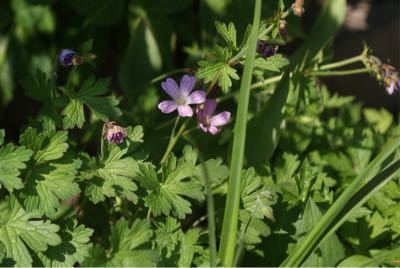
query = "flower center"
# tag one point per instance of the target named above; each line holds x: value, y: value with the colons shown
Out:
x: 181, y: 100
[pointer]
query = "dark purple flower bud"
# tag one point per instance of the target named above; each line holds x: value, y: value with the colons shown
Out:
x: 68, y: 57
x: 114, y: 133
x: 266, y: 50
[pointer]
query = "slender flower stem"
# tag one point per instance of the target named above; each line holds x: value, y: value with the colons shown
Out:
x: 339, y: 73
x: 173, y: 141
x: 342, y: 62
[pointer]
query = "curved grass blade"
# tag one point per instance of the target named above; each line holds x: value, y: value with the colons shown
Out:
x: 356, y: 194
x: 231, y: 214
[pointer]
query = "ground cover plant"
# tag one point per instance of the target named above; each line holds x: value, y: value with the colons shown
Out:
x: 239, y: 157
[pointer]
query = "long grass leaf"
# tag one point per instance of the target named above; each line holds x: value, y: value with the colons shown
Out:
x: 354, y: 196
x: 231, y: 215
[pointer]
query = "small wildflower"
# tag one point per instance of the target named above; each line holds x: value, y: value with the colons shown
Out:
x: 265, y: 49
x: 68, y: 57
x: 208, y: 122
x: 182, y: 96
x: 114, y: 133
x: 297, y: 7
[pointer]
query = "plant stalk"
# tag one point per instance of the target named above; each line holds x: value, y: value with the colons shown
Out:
x: 231, y: 214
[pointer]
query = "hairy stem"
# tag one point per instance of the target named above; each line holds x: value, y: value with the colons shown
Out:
x: 339, y: 73
x: 342, y: 62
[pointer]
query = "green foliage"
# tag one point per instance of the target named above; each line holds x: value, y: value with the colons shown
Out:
x: 219, y: 71
x: 168, y: 187
x: 51, y: 176
x: 113, y: 175
x: 12, y: 160
x: 90, y: 94
x: 21, y: 230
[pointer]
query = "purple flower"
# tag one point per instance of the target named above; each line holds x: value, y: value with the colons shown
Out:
x: 67, y: 57
x: 208, y: 122
x: 114, y: 133
x: 181, y: 96
x: 266, y: 50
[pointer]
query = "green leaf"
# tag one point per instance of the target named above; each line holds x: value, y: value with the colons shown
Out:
x: 12, y: 160
x: 51, y: 177
x: 273, y: 64
x: 216, y: 171
x: 228, y: 32
x: 221, y: 71
x: 111, y: 177
x: 73, y: 249
x: 20, y: 230
x: 168, y: 187
x: 330, y: 251
x: 90, y: 94
x: 257, y: 201
x: 167, y: 236
x: 189, y: 246
x: 125, y: 240
x: 39, y: 87
x: 380, y: 119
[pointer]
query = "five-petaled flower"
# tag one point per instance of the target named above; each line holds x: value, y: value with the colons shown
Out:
x: 114, y: 133
x: 208, y: 122
x: 182, y: 96
x: 68, y: 57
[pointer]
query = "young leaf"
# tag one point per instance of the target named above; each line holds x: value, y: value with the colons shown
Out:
x: 273, y: 64
x: 20, y: 230
x: 90, y: 94
x: 168, y: 187
x: 221, y: 71
x: 228, y: 32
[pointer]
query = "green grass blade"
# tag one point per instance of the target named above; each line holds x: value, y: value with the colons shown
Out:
x: 230, y: 221
x: 354, y: 196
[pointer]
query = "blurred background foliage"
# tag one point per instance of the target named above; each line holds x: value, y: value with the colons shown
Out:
x: 136, y: 40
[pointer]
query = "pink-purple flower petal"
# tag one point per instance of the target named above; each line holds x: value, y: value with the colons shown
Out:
x: 171, y: 88
x: 167, y: 106
x: 220, y: 119
x: 185, y: 111
x: 196, y: 97
x: 390, y: 89
x: 187, y: 84
x: 209, y: 107
x: 213, y: 130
